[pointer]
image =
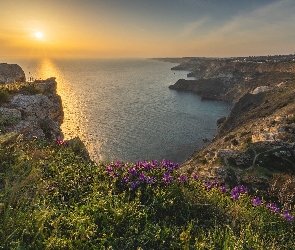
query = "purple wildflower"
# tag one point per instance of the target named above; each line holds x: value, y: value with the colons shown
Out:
x: 272, y: 207
x: 182, y: 178
x: 235, y: 196
x: 142, y: 177
x: 208, y: 185
x: 118, y: 164
x: 133, y: 171
x: 223, y: 189
x: 256, y: 202
x: 111, y: 172
x: 153, y: 164
x: 167, y: 177
x: 134, y: 184
x: 235, y: 192
x: 242, y: 189
x: 125, y: 180
x: 109, y: 168
x: 287, y: 216
x: 170, y: 166
x: 195, y: 176
x: 215, y: 183
x: 151, y: 180
x: 146, y: 165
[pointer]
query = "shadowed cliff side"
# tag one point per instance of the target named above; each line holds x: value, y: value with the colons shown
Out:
x: 255, y: 144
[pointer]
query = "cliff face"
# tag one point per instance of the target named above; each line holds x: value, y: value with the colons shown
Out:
x: 10, y: 73
x: 34, y: 113
x: 255, y: 144
x: 229, y: 81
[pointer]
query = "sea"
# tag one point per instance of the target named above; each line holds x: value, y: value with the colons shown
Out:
x: 123, y: 110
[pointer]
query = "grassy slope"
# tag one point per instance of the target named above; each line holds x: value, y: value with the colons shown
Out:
x: 52, y: 198
x: 260, y: 165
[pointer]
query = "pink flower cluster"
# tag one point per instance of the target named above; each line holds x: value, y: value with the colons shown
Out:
x: 61, y: 143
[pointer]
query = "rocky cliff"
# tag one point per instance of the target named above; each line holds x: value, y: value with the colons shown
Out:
x: 255, y: 144
x: 229, y: 80
x: 33, y: 109
x: 10, y: 73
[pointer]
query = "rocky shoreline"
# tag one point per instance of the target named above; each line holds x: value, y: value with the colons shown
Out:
x: 255, y: 144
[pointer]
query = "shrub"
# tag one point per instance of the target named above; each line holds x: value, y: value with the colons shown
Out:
x: 4, y: 96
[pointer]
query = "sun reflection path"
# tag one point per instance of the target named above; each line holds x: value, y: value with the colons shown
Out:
x: 75, y: 122
x: 71, y: 126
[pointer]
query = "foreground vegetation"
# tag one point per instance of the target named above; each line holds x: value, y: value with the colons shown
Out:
x: 53, y: 197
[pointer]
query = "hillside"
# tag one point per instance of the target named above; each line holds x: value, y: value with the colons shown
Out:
x: 254, y: 145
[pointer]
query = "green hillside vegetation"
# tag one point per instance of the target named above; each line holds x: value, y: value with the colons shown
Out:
x: 53, y: 197
x: 26, y: 88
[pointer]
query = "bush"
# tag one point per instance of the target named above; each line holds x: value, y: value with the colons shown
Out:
x: 4, y: 96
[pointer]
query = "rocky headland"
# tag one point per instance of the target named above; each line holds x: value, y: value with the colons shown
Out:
x: 255, y: 144
x: 10, y: 73
x: 32, y: 109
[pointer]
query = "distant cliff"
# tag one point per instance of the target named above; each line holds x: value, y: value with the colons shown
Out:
x: 229, y: 80
x: 255, y: 144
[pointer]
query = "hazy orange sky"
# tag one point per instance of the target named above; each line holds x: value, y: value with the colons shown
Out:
x: 146, y: 28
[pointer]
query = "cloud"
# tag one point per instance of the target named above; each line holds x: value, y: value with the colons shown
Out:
x: 267, y: 28
x: 191, y: 28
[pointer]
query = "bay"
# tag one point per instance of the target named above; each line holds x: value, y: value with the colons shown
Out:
x: 122, y: 109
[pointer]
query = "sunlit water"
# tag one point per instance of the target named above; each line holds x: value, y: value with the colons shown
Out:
x: 122, y: 109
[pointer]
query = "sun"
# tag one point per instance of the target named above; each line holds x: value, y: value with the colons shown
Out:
x: 38, y: 35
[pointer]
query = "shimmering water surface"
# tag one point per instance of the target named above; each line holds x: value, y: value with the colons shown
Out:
x: 123, y: 109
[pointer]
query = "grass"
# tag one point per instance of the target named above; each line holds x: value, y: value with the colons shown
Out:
x: 26, y: 88
x: 53, y: 198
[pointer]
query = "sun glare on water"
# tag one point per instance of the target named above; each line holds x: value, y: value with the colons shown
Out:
x: 38, y: 35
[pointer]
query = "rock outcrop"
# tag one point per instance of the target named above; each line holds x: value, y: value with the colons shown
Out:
x: 34, y: 115
x: 10, y: 73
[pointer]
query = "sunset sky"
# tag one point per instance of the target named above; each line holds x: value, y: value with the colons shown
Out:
x: 146, y: 28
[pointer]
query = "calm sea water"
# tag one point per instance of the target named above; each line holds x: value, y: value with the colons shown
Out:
x: 122, y: 109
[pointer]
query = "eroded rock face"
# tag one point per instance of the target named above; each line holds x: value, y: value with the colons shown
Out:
x: 10, y: 115
x: 260, y: 89
x: 10, y: 73
x: 36, y: 106
x: 38, y: 116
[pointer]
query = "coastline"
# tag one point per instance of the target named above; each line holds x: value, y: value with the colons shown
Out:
x: 253, y: 122
x: 262, y: 119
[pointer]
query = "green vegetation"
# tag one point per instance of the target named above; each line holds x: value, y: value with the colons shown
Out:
x: 26, y: 88
x: 51, y: 197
